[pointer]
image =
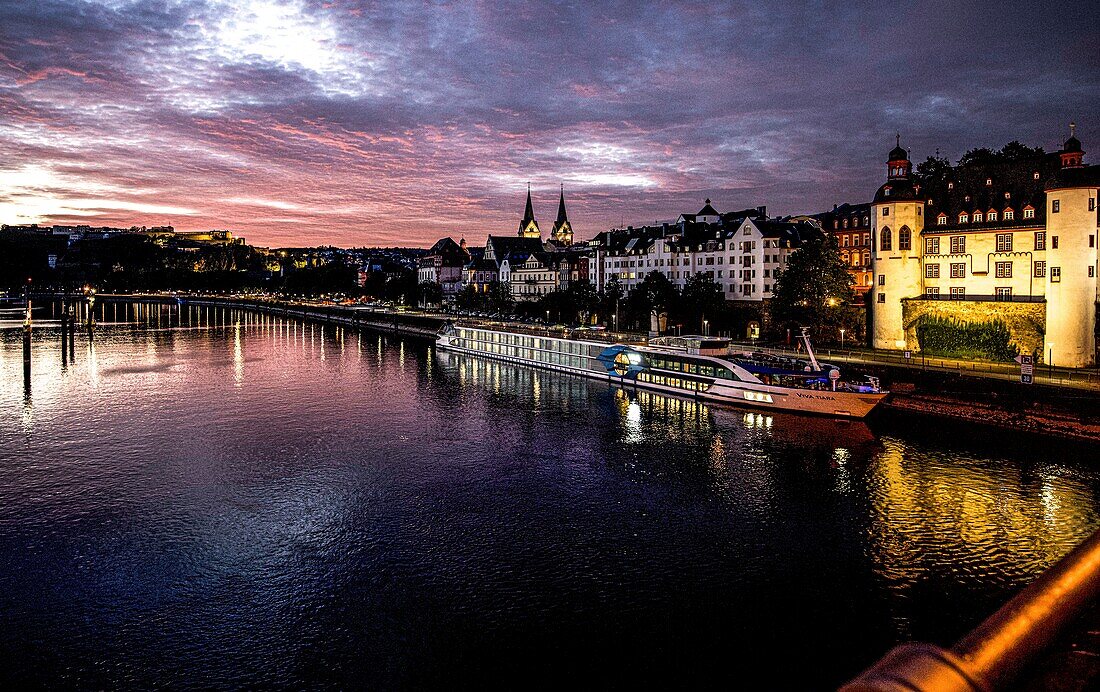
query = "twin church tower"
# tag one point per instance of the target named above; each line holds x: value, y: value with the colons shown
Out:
x: 561, y: 233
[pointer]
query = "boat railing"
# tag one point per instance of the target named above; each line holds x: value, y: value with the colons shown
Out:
x: 993, y: 655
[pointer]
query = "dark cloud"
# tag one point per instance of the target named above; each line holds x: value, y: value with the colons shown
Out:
x: 301, y: 122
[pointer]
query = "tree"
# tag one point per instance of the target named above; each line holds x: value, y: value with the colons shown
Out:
x: 934, y: 170
x: 978, y: 155
x: 702, y: 298
x: 430, y: 293
x: 1014, y: 151
x: 610, y: 299
x: 652, y: 299
x: 814, y: 290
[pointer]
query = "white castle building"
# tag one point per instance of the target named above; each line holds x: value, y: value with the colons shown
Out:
x: 1012, y: 238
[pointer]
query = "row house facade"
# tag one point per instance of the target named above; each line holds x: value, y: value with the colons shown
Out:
x: 850, y: 224
x: 741, y: 251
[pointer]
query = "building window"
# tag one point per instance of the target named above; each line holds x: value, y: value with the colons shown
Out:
x: 882, y: 297
x: 1009, y: 215
x: 1003, y: 292
x: 905, y: 238
x: 991, y: 216
x: 958, y: 244
x: 1004, y: 270
x: 886, y: 193
x: 886, y: 211
x: 1004, y: 242
x: 881, y: 279
x: 941, y: 220
x: 988, y: 182
x: 1029, y: 213
x: 866, y: 238
x: 1040, y: 270
x: 1092, y: 241
x: 1040, y: 240
x: 1055, y: 206
x: 932, y: 291
x: 886, y: 239
x: 963, y: 218
x: 1053, y: 242
x: 1035, y: 175
x: 845, y: 223
x: 1092, y: 204
x: 1092, y: 271
x: 958, y: 270
x: 977, y: 217
x: 844, y: 241
x: 931, y: 271
x: 958, y: 292
x: 931, y: 246
x: 1055, y: 274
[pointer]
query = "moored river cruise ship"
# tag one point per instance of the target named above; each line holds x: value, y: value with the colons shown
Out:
x: 704, y: 368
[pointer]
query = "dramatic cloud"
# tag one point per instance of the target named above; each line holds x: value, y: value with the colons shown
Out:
x: 354, y: 123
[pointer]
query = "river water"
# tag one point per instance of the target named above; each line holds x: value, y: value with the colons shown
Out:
x: 200, y: 498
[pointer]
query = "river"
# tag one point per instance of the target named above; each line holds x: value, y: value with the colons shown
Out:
x: 205, y: 498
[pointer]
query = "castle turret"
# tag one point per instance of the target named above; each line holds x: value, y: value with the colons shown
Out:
x: 897, y: 221
x: 1071, y: 260
x: 563, y: 230
x: 528, y: 227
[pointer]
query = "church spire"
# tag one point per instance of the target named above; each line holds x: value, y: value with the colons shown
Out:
x: 563, y: 230
x: 528, y: 227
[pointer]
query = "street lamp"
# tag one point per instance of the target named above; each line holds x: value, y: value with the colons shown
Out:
x: 705, y: 323
x: 842, y: 337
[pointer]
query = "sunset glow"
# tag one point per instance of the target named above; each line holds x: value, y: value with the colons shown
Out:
x: 308, y: 123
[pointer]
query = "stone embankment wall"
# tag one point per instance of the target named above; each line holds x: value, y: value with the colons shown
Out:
x: 1025, y: 321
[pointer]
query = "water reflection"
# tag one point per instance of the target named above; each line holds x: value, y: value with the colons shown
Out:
x: 260, y: 503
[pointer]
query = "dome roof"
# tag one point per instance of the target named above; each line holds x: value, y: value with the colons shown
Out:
x: 1072, y: 144
x: 898, y: 154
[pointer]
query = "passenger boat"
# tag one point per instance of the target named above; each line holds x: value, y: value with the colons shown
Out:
x: 698, y: 367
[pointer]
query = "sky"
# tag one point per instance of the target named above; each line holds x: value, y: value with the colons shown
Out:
x: 296, y: 122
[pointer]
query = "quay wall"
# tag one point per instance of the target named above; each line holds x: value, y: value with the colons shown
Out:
x: 1026, y: 322
x: 401, y: 323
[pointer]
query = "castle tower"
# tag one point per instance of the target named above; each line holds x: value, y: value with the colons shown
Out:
x: 563, y: 230
x: 897, y: 220
x: 1071, y: 260
x: 528, y: 227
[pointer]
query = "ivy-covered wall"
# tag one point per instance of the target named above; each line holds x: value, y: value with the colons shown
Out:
x: 1025, y: 322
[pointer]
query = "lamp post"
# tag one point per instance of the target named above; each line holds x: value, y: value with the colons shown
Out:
x: 705, y: 332
x: 842, y: 337
x: 1050, y: 362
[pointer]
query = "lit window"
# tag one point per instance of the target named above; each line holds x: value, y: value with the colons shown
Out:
x: 1029, y: 213
x: 931, y: 271
x: 905, y: 238
x: 1004, y: 242
x: 1040, y: 240
x: 991, y: 216
x: 1009, y: 215
x: 1035, y: 175
x: 1055, y: 206
x: 931, y: 246
x: 958, y: 244
x: 988, y: 181
x: 964, y: 218
x: 977, y: 217
x: 941, y: 220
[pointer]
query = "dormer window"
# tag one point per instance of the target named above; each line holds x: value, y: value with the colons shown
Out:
x: 1008, y: 195
x: 886, y: 192
x: 988, y: 182
x: 1035, y: 175
x: 866, y: 220
x: 964, y: 218
x: 1009, y: 215
x: 966, y: 199
x: 941, y: 220
x: 950, y: 186
x: 991, y: 216
x: 977, y: 217
x: 1029, y: 213
x: 845, y: 223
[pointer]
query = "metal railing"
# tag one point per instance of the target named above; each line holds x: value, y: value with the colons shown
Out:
x: 993, y: 655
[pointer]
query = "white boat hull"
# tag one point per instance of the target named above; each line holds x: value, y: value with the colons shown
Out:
x: 846, y: 404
